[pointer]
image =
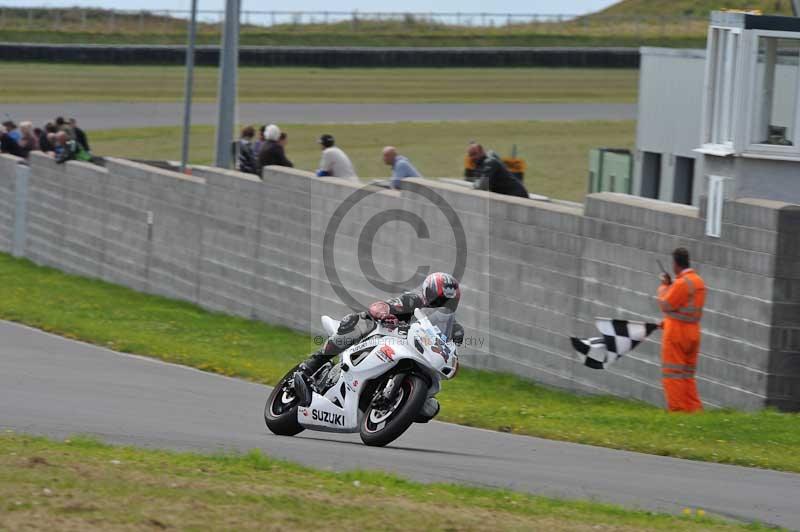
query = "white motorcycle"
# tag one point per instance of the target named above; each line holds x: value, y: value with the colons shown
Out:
x: 379, y: 386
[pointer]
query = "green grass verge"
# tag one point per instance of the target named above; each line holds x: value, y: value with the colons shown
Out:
x: 132, y: 322
x: 557, y: 152
x: 34, y: 83
x: 82, y: 484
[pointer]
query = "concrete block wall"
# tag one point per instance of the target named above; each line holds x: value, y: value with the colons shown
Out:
x: 536, y: 272
x: 8, y: 183
x: 783, y: 385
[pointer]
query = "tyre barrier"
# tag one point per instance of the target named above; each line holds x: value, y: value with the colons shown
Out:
x: 331, y: 57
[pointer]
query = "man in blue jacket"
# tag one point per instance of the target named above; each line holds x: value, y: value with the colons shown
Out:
x: 401, y: 166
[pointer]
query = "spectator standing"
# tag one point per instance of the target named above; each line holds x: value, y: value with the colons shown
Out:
x: 272, y: 153
x: 12, y: 131
x: 28, y: 140
x: 45, y: 141
x: 682, y: 302
x: 259, y: 143
x: 493, y: 174
x: 246, y: 160
x: 8, y: 144
x: 401, y: 166
x: 51, y: 140
x: 79, y: 134
x: 334, y: 161
x: 68, y: 149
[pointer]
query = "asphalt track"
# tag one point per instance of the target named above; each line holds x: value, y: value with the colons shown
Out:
x: 58, y: 387
x: 110, y: 115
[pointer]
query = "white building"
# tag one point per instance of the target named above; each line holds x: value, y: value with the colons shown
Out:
x: 722, y: 122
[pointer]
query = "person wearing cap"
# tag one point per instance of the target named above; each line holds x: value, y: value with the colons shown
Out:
x: 272, y: 153
x: 334, y: 161
x: 401, y: 166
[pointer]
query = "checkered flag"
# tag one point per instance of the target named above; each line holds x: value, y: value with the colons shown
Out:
x: 619, y: 337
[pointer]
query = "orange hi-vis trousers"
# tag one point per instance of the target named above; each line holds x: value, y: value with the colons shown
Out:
x: 679, y: 350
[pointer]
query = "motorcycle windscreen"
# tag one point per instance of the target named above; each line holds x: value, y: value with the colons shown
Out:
x: 443, y: 319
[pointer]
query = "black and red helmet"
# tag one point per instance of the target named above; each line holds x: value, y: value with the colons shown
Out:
x: 441, y: 290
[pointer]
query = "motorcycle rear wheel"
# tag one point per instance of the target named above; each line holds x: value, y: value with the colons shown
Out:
x: 280, y: 412
x: 381, y: 427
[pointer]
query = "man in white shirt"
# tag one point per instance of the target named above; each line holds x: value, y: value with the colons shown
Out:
x: 334, y: 161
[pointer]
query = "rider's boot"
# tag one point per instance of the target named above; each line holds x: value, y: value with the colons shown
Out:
x: 429, y: 410
x: 312, y: 364
x: 302, y: 384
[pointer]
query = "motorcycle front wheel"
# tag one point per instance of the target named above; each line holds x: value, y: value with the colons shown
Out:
x: 382, y: 426
x: 280, y: 412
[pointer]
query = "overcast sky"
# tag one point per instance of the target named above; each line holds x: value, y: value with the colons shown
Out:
x: 503, y: 6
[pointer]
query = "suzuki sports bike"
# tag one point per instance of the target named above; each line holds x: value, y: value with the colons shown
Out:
x: 379, y: 386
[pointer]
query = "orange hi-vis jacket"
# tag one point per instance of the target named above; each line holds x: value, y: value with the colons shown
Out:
x: 682, y: 304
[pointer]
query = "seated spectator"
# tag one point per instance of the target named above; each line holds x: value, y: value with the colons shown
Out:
x: 246, y: 158
x: 79, y: 134
x: 28, y: 140
x: 493, y: 174
x: 272, y: 153
x: 334, y: 161
x: 68, y: 149
x: 401, y: 166
x: 8, y: 144
x: 45, y: 140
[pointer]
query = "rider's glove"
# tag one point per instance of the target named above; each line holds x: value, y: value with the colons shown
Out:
x: 379, y: 311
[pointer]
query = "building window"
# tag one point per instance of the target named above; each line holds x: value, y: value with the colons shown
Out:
x: 716, y: 201
x: 777, y: 70
x: 684, y: 180
x: 723, y: 64
x: 651, y: 174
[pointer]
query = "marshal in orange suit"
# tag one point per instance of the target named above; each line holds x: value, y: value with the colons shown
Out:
x: 682, y: 302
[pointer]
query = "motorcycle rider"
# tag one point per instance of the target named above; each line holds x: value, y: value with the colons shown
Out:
x: 439, y: 290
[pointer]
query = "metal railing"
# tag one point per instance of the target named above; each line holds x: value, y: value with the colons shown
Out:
x: 109, y: 21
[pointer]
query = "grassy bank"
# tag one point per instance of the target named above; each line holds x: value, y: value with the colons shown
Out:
x: 557, y: 152
x: 179, y: 332
x: 36, y: 83
x: 81, y: 484
x: 667, y: 28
